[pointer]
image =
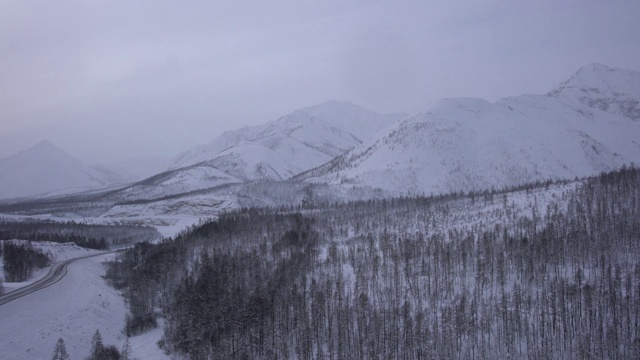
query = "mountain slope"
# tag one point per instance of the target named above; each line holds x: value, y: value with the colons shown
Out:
x: 616, y: 91
x: 330, y: 128
x: 280, y: 149
x: 45, y: 168
x: 470, y: 144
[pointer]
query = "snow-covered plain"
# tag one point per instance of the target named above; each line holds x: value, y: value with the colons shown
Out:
x: 72, y: 309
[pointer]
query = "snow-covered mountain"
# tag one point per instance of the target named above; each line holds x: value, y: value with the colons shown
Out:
x: 44, y: 169
x: 615, y: 91
x: 292, y: 144
x: 586, y: 125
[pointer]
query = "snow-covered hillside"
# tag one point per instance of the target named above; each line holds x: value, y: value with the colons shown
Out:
x: 45, y: 168
x: 176, y: 182
x: 615, y: 91
x: 585, y: 126
x: 294, y: 143
x: 275, y: 151
x: 169, y: 216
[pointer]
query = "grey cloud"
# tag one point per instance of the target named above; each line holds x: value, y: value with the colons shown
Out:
x: 113, y: 79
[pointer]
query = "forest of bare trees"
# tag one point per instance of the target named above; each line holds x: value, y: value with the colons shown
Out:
x: 409, y: 278
x: 20, y: 260
x: 85, y: 235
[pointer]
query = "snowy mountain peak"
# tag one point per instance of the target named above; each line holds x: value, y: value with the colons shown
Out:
x: 276, y: 150
x: 45, y: 145
x: 345, y: 116
x: 43, y: 148
x: 43, y: 151
x: 301, y: 140
x: 600, y: 79
x: 595, y: 69
x: 598, y: 86
x: 462, y: 144
x: 45, y: 168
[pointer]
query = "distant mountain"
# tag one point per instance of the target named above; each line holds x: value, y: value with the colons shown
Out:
x: 285, y: 147
x: 44, y: 169
x: 586, y: 125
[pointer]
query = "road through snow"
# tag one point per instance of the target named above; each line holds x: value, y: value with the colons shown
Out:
x: 73, y: 309
x: 56, y: 273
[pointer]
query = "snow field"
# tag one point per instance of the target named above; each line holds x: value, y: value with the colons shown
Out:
x: 72, y: 309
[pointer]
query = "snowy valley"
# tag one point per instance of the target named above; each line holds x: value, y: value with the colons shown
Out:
x: 474, y: 230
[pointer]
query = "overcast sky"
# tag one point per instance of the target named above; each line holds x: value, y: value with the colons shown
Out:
x: 108, y: 79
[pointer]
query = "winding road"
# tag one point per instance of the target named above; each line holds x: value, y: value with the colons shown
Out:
x: 56, y: 273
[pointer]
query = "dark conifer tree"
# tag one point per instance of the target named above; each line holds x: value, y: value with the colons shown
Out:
x: 60, y: 351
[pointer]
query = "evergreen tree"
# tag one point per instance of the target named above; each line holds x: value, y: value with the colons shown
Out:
x: 101, y: 352
x: 125, y: 353
x: 60, y: 352
x: 97, y: 346
x: 399, y: 279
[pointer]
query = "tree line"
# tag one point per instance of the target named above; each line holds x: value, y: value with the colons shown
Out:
x: 85, y: 235
x: 20, y: 259
x: 467, y: 277
x: 99, y: 351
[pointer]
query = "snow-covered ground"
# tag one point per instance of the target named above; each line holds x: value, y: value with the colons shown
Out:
x: 72, y: 309
x: 56, y: 251
x: 168, y: 216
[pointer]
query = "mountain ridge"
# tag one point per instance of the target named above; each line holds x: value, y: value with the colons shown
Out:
x: 279, y: 149
x: 586, y: 124
x: 342, y: 117
x: 465, y: 144
x: 608, y: 89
